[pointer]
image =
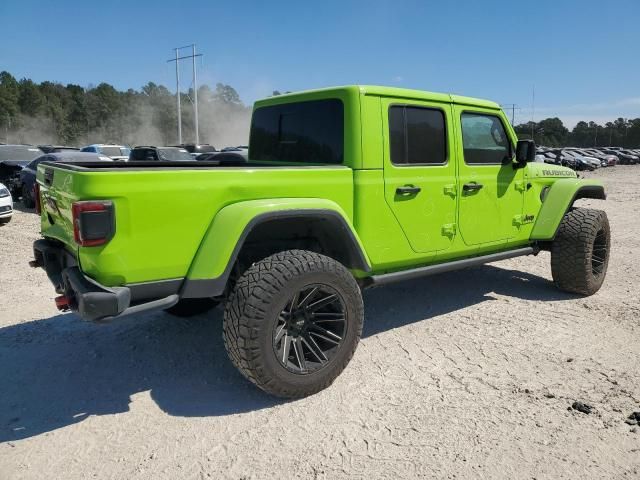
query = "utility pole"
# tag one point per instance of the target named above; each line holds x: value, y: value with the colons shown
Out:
x: 195, y: 91
x: 195, y: 88
x: 513, y: 108
x: 533, y: 109
x: 178, y: 100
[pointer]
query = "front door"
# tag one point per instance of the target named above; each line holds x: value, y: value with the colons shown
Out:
x: 420, y: 171
x: 491, y: 189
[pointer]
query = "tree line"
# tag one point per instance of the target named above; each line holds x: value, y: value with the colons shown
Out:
x: 551, y: 132
x: 50, y: 112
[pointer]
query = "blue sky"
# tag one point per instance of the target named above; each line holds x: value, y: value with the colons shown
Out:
x: 581, y: 56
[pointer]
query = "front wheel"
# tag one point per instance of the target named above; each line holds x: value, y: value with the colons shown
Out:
x: 293, y: 322
x: 580, y: 251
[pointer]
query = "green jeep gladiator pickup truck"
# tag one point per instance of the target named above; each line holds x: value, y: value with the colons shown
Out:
x: 345, y: 188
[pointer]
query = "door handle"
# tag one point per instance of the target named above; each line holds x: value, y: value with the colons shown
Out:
x: 408, y: 190
x: 472, y: 187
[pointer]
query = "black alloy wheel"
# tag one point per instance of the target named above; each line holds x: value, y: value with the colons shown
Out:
x: 310, y: 329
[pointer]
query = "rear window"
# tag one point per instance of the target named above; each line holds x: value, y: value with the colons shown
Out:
x: 112, y: 151
x: 305, y: 132
x: 203, y: 149
x: 143, y: 154
x: 174, y: 154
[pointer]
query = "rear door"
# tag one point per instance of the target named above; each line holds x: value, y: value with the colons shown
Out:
x: 491, y: 190
x: 420, y: 171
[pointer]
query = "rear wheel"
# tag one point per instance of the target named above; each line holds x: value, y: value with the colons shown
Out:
x: 5, y: 220
x: 580, y: 251
x: 293, y: 322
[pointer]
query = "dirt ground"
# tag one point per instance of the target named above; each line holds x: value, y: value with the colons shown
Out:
x: 463, y: 375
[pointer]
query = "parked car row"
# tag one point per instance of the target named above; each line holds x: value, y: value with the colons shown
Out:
x: 228, y: 155
x: 13, y: 158
x: 588, y: 158
x: 18, y: 163
x: 625, y: 156
x: 27, y: 178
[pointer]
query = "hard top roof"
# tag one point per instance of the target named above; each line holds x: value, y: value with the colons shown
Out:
x: 383, y: 91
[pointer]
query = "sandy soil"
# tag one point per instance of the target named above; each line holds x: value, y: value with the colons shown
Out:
x: 467, y: 374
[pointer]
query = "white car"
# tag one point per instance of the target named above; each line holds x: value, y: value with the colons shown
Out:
x: 6, y: 205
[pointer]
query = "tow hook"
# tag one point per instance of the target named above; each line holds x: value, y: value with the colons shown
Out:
x: 63, y: 303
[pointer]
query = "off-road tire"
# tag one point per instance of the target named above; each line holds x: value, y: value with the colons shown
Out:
x: 27, y: 201
x: 580, y: 251
x: 189, y: 307
x: 256, y: 303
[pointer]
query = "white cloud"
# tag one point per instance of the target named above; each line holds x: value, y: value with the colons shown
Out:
x: 398, y: 79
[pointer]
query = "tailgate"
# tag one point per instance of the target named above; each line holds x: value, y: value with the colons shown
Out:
x: 56, y: 197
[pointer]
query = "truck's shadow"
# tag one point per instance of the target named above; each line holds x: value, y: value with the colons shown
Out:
x: 57, y: 371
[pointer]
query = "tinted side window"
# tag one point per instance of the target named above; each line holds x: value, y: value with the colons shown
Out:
x: 308, y: 132
x: 417, y: 135
x: 484, y: 139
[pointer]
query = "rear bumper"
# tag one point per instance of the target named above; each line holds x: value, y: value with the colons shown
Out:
x: 91, y: 300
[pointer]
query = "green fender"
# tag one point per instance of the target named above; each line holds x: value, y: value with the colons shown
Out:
x: 226, y: 233
x: 560, y: 197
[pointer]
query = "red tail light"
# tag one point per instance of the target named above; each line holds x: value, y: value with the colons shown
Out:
x: 36, y: 197
x: 93, y: 222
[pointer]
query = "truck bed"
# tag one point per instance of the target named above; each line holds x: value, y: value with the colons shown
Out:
x: 164, y: 209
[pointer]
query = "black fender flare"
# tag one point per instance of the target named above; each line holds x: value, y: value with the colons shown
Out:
x: 355, y: 256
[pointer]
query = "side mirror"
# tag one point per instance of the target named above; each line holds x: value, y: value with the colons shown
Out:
x: 525, y: 152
